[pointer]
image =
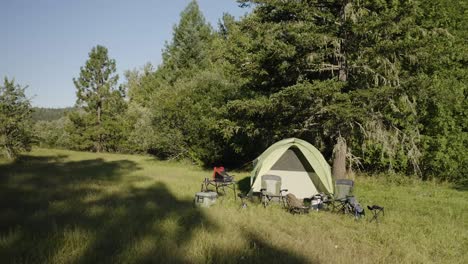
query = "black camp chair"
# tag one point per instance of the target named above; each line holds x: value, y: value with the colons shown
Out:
x: 271, y: 189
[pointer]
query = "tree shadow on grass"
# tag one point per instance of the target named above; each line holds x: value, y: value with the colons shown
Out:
x: 55, y: 210
x: 90, y: 211
x: 147, y: 225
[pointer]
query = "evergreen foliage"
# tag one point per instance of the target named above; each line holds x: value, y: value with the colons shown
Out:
x: 15, y: 120
x: 363, y: 69
x: 190, y: 46
x: 49, y: 114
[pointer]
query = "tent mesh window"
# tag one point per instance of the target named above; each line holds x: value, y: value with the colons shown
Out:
x: 293, y: 160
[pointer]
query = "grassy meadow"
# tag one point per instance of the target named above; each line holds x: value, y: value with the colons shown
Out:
x: 60, y: 206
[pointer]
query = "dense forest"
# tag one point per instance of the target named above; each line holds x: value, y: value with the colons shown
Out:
x: 386, y: 77
x: 49, y: 114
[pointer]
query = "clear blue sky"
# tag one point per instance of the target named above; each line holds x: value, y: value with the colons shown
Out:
x: 44, y: 42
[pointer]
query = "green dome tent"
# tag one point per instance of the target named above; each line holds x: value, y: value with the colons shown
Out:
x: 302, y: 168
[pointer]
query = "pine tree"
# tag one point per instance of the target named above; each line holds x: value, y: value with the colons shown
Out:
x: 98, y: 96
x: 189, y: 49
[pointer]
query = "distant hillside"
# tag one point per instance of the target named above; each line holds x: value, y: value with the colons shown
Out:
x: 49, y: 114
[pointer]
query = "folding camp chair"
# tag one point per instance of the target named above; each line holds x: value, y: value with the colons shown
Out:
x: 343, y: 200
x: 343, y: 189
x: 271, y: 189
x: 295, y: 206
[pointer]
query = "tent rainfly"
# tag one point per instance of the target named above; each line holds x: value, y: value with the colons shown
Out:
x: 302, y: 168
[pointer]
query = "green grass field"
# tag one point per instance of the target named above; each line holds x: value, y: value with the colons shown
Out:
x: 61, y: 206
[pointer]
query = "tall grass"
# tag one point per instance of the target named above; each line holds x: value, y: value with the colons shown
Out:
x: 61, y: 206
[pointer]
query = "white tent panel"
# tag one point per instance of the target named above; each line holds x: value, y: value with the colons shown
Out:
x: 299, y: 181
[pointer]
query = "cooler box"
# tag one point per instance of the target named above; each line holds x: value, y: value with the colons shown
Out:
x: 205, y: 199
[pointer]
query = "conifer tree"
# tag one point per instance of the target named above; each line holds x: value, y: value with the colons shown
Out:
x: 98, y: 96
x: 189, y: 49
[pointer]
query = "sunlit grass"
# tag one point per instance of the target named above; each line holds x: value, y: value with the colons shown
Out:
x: 73, y: 207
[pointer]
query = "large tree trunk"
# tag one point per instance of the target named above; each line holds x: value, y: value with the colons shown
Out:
x: 339, y: 159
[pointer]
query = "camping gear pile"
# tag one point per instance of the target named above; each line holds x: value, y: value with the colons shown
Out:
x: 220, y: 180
x: 293, y: 173
x: 319, y: 202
